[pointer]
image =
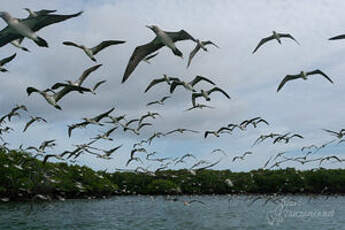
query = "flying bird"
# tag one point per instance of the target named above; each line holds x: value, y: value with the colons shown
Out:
x: 159, y: 102
x: 33, y: 119
x: 206, y: 94
x: 304, y: 76
x: 20, y: 28
x: 90, y: 52
x: 199, y: 45
x: 77, y: 85
x: 165, y: 78
x: 162, y: 38
x: 276, y: 36
x: 189, y: 85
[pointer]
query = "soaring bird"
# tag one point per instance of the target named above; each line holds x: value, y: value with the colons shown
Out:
x: 94, y: 120
x: 165, y: 78
x: 90, y: 52
x: 33, y: 119
x: 206, y: 94
x: 20, y: 28
x: 199, y: 106
x: 159, y: 102
x: 162, y: 38
x: 303, y: 75
x: 199, y: 45
x: 189, y: 85
x: 339, y: 134
x: 181, y: 130
x: 6, y: 60
x: 276, y: 36
x: 78, y: 83
x: 52, y: 99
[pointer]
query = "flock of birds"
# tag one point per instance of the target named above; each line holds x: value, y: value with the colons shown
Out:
x: 19, y: 29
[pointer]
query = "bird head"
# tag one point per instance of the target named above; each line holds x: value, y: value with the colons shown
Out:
x: 154, y: 28
x: 5, y: 15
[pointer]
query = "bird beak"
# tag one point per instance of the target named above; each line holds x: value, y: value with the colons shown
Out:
x: 150, y: 27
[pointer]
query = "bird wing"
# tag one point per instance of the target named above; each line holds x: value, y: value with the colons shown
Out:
x: 286, y: 79
x: 220, y: 90
x: 321, y: 73
x: 165, y: 98
x: 34, y: 23
x: 149, y: 57
x: 143, y: 51
x: 263, y: 41
x: 44, y: 12
x: 180, y: 36
x: 104, y: 45
x: 209, y: 43
x: 69, y: 43
x: 152, y: 103
x: 99, y: 117
x: 139, y: 54
x: 174, y: 84
x: 28, y: 124
x: 192, y: 54
x: 110, y: 131
x: 86, y: 73
x: 194, y: 97
x: 131, y: 121
x: 144, y: 124
x: 37, y: 23
x: 98, y: 84
x: 223, y: 128
x: 59, y: 85
x: 154, y: 82
x: 288, y: 36
x: 337, y: 37
x: 8, y: 59
x: 200, y: 78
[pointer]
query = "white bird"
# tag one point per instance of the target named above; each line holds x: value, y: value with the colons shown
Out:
x: 199, y: 45
x: 303, y: 75
x: 162, y: 38
x: 206, y: 94
x: 159, y: 102
x: 189, y: 85
x: 165, y: 78
x: 276, y: 36
x: 33, y: 119
x: 22, y: 29
x: 90, y: 52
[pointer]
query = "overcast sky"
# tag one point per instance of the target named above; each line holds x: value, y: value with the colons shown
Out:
x: 303, y: 107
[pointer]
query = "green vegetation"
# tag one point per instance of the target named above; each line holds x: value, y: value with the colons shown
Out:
x: 22, y: 177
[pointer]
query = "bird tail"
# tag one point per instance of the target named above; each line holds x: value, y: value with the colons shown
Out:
x: 25, y: 49
x: 177, y: 52
x: 3, y: 70
x: 41, y: 42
